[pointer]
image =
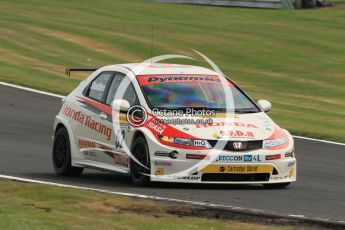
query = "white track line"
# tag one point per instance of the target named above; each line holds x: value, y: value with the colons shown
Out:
x: 234, y: 208
x: 122, y: 193
x: 61, y: 96
x: 31, y: 90
x: 319, y: 140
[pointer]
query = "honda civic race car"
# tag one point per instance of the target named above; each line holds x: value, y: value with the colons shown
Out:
x: 170, y: 123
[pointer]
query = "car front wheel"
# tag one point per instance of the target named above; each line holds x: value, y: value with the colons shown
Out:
x: 140, y: 173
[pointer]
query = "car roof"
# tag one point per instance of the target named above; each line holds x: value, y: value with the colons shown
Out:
x: 162, y: 68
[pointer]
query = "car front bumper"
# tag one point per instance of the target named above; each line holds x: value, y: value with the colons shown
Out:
x: 248, y: 167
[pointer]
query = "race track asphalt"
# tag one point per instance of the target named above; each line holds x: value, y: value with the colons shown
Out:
x: 26, y: 121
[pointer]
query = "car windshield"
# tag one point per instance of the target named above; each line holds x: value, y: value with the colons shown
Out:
x: 192, y: 91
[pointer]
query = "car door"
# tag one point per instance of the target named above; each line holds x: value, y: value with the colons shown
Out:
x: 120, y: 158
x: 95, y: 134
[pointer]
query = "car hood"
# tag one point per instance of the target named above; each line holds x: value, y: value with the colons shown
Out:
x: 250, y: 126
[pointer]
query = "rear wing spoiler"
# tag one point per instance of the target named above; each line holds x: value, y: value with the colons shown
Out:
x: 80, y: 69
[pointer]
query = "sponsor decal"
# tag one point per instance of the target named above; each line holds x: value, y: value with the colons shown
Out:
x: 238, y: 158
x: 221, y: 124
x: 119, y: 117
x: 273, y: 157
x: 98, y: 127
x: 182, y: 78
x: 215, y: 136
x: 160, y: 172
x: 162, y: 163
x: 190, y: 178
x: 251, y: 158
x: 87, y: 121
x: 197, y: 156
x: 233, y: 134
x: 121, y: 159
x: 156, y: 128
x: 90, y: 155
x: 162, y: 154
x: 279, y: 177
x: 86, y: 144
x: 201, y: 143
x: 237, y: 169
x: 231, y: 158
x: 98, y: 86
x: 172, y: 155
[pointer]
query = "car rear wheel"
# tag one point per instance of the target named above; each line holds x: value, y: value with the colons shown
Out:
x: 276, y: 185
x: 62, y: 155
x: 140, y: 175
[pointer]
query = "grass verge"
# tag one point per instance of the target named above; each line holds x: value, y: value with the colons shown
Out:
x: 31, y: 206
x: 296, y: 59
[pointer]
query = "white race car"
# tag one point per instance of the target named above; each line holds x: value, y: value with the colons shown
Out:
x: 170, y: 123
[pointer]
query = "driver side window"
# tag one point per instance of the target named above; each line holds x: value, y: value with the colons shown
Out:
x: 98, y: 87
x: 129, y: 94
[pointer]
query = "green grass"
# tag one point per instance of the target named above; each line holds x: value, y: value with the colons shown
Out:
x: 31, y: 206
x: 294, y: 58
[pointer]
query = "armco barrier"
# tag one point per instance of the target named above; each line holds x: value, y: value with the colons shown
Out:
x: 272, y: 4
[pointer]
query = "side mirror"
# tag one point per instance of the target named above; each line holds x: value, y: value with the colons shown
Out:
x: 265, y: 105
x: 120, y: 104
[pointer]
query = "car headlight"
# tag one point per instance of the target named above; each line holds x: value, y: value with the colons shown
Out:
x: 272, y: 143
x: 185, y: 141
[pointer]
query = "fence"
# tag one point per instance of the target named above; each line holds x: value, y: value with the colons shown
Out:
x: 272, y: 4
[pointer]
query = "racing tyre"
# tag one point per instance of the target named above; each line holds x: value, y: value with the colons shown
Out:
x: 140, y: 175
x: 277, y: 185
x: 62, y: 155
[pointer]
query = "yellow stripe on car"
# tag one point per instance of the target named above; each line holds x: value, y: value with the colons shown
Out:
x: 237, y: 169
